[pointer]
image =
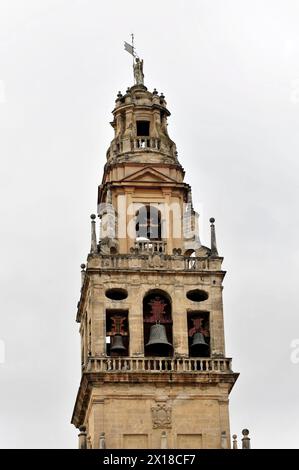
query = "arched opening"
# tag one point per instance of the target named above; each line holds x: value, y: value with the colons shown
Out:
x: 199, y: 334
x: 189, y: 252
x: 148, y: 223
x: 117, y: 332
x: 157, y: 324
x: 191, y: 259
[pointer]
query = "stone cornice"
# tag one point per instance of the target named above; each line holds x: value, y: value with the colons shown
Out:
x: 90, y: 380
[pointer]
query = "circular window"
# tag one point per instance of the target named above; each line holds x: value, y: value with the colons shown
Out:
x: 197, y: 295
x: 116, y: 294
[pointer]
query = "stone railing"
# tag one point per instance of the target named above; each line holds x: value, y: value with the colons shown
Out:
x: 156, y: 364
x: 150, y: 246
x: 141, y: 257
x: 146, y: 143
x: 195, y: 263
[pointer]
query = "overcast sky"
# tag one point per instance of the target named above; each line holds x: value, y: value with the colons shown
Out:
x: 230, y: 74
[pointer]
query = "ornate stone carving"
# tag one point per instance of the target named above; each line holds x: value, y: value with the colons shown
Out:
x: 161, y: 415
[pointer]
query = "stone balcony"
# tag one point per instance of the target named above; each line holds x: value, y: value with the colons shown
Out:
x: 145, y: 143
x: 150, y: 246
x: 149, y: 365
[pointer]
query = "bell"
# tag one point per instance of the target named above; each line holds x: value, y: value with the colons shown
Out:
x: 199, y: 343
x: 118, y: 344
x: 158, y: 342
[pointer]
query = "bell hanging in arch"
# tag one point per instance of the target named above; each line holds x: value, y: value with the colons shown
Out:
x: 199, y: 345
x: 118, y: 344
x: 158, y: 343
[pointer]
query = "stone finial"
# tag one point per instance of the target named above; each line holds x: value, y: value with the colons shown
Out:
x: 82, y: 437
x: 93, y: 247
x: 235, y: 442
x: 102, y: 443
x: 83, y: 272
x: 245, y: 439
x: 214, y: 251
x: 223, y: 440
x: 164, y: 440
x: 155, y: 91
x: 119, y: 95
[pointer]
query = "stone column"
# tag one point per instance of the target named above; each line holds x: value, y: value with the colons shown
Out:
x: 224, y: 421
x: 168, y: 217
x: 121, y: 209
x: 98, y: 325
x: 98, y: 418
x: 216, y: 319
x: 136, y: 321
x: 179, y: 318
x: 129, y: 217
x: 82, y: 437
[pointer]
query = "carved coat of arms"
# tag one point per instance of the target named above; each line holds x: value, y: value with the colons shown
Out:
x: 161, y: 414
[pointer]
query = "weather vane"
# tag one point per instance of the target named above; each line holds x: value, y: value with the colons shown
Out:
x: 137, y: 62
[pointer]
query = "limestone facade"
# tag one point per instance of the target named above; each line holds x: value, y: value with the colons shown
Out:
x: 144, y: 270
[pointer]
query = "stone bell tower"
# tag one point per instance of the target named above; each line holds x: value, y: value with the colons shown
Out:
x: 154, y: 369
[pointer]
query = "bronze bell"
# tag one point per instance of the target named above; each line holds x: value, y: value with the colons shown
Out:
x: 118, y: 344
x: 158, y: 342
x: 199, y: 343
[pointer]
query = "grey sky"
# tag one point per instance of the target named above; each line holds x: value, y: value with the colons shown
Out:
x: 230, y: 74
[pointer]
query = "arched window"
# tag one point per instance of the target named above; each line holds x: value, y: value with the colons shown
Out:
x: 148, y: 223
x: 157, y: 324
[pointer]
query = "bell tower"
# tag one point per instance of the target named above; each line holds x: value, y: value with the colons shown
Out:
x: 154, y: 369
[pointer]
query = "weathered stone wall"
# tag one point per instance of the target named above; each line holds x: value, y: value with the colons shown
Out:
x: 136, y: 415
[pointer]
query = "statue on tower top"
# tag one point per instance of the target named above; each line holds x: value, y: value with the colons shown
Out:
x: 137, y: 63
x: 138, y: 71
